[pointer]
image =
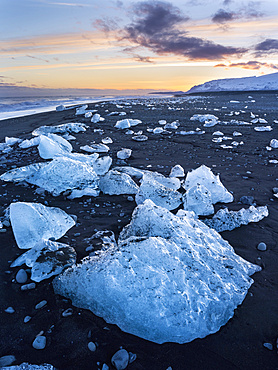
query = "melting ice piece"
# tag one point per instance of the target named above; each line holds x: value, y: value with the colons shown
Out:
x: 29, y: 143
x: 140, y: 138
x: 117, y: 183
x: 47, y: 258
x: 204, y: 176
x: 126, y: 123
x: 76, y: 193
x: 27, y: 366
x: 274, y: 143
x: 263, y: 128
x: 12, y: 140
x: 22, y: 173
x: 171, y: 280
x: 32, y: 222
x: 60, y: 129
x: 161, y: 195
x: 209, y: 119
x: 198, y: 199
x: 131, y: 171
x: 81, y: 110
x: 124, y: 153
x: 96, y: 148
x: 170, y: 182
x: 177, y: 171
x: 228, y: 220
x: 51, y: 144
x: 63, y: 174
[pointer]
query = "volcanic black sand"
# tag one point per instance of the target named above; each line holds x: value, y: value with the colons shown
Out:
x: 244, y: 170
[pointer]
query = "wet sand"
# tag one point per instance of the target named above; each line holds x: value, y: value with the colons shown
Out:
x: 244, y: 170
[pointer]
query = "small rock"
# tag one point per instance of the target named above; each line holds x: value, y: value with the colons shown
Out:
x: 40, y: 305
x: 10, y: 310
x: 120, y: 359
x: 268, y: 346
x: 39, y: 342
x: 92, y: 347
x: 261, y: 247
x: 6, y: 360
x: 6, y: 223
x: 21, y: 276
x: 28, y: 286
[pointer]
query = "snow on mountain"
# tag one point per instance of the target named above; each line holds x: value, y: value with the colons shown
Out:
x: 265, y: 82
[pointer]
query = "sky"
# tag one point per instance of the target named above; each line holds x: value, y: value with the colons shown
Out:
x: 122, y: 44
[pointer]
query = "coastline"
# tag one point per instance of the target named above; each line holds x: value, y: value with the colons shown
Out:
x: 244, y: 170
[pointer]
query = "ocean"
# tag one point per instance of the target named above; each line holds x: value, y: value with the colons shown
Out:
x: 18, y: 107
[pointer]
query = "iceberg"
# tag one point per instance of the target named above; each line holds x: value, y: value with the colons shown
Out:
x: 32, y: 222
x: 28, y: 143
x: 71, y: 127
x: 63, y: 174
x: 198, y: 199
x: 228, y: 220
x: 172, y: 279
x: 51, y: 145
x: 204, y: 176
x: 46, y: 259
x: 117, y: 183
x: 126, y: 123
x: 160, y: 194
x: 124, y: 153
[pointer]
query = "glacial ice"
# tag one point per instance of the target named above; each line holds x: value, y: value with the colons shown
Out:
x: 12, y: 140
x: 63, y: 174
x: 204, y: 176
x: 177, y: 171
x: 32, y: 222
x: 140, y: 138
x: 209, y: 120
x: 27, y: 366
x: 28, y: 143
x: 71, y: 127
x: 117, y: 183
x: 76, y: 193
x: 56, y: 176
x: 198, y: 199
x: 51, y: 144
x: 124, y: 153
x: 81, y: 110
x: 274, y: 143
x: 170, y: 182
x: 160, y: 194
x: 95, y: 148
x: 172, y: 279
x: 228, y: 220
x: 47, y: 258
x: 126, y: 123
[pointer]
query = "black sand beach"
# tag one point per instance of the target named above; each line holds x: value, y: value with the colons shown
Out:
x: 244, y: 170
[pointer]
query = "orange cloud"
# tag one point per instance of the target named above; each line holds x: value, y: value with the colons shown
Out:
x: 253, y: 64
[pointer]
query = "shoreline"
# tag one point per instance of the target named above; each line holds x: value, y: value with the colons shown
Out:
x: 244, y: 170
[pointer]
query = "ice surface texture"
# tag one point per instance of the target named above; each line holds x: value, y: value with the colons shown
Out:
x: 47, y: 258
x: 161, y: 195
x: 116, y: 183
x: 171, y: 279
x: 32, y: 222
x: 72, y: 127
x: 204, y: 176
x: 59, y: 175
x: 198, y: 199
x: 228, y: 220
x: 51, y: 144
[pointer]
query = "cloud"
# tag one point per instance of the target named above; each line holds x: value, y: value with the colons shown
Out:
x: 105, y: 24
x: 223, y: 16
x: 253, y: 64
x: 250, y: 10
x: 268, y: 46
x: 140, y: 58
x: 33, y: 57
x: 159, y: 26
